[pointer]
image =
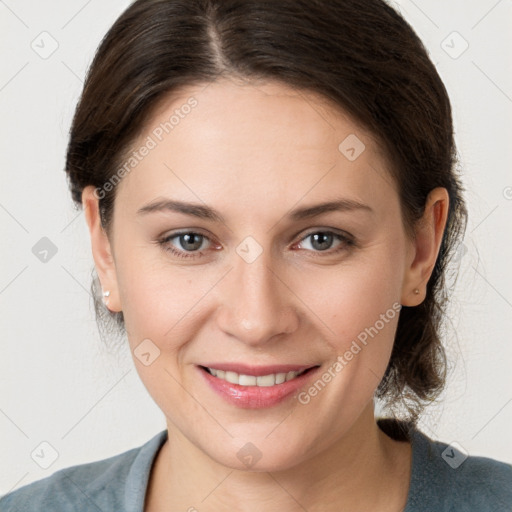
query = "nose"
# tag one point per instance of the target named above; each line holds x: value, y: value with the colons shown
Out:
x: 257, y: 305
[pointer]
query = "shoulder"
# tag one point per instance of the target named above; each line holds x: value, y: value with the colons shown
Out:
x: 80, y: 487
x: 99, y: 485
x: 444, y: 475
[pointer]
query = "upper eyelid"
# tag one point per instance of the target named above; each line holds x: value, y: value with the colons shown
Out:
x: 309, y: 232
x: 339, y: 232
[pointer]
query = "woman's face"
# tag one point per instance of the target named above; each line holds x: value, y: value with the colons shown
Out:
x: 262, y: 281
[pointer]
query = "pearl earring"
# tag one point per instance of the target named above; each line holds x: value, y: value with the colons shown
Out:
x: 416, y: 291
x: 105, y: 297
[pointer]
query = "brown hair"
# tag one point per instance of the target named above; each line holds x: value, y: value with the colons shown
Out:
x: 359, y: 54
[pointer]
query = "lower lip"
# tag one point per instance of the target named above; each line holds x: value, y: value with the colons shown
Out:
x: 255, y: 397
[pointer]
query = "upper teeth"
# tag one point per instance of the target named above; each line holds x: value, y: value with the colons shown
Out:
x: 252, y: 380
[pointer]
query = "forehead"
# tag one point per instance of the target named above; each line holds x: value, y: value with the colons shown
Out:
x: 253, y: 142
x: 256, y: 111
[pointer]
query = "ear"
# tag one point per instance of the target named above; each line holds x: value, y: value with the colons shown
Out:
x: 101, y: 249
x: 425, y: 247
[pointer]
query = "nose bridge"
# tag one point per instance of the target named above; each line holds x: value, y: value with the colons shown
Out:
x: 258, y: 306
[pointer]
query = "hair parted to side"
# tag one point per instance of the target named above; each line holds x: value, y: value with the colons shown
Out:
x: 361, y: 55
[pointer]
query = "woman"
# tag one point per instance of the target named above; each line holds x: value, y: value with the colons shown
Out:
x: 271, y: 195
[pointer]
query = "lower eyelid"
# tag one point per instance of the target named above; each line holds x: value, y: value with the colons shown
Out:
x: 205, y: 239
x: 345, y: 241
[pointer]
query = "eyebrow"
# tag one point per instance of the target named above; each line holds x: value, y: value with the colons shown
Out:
x: 208, y: 213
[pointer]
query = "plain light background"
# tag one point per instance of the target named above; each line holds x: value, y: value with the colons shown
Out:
x: 59, y: 385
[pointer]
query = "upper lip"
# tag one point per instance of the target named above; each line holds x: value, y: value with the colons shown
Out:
x: 247, y: 369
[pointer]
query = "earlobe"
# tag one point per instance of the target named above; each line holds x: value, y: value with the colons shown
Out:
x: 101, y: 250
x: 425, y: 247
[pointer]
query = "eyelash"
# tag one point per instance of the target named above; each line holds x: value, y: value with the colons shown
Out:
x: 348, y: 242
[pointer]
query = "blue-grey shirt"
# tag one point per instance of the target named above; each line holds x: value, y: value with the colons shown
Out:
x: 442, y: 480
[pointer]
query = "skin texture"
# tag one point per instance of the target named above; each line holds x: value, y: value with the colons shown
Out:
x: 254, y: 152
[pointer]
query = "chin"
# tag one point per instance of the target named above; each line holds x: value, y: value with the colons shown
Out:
x: 259, y: 455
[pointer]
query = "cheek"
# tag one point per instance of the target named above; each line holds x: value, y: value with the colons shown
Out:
x: 358, y: 306
x: 351, y: 297
x: 141, y: 285
x: 161, y: 300
x: 160, y: 318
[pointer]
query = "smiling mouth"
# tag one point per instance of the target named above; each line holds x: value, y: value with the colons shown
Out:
x: 268, y: 380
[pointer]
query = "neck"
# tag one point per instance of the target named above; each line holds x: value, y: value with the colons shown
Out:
x: 364, y: 470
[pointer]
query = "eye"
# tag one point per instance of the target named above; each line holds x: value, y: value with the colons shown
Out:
x: 186, y: 244
x: 322, y: 241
